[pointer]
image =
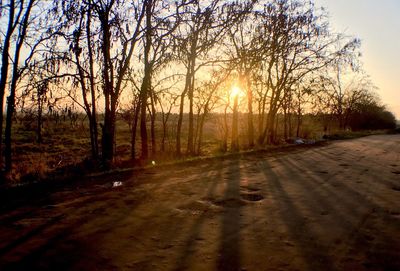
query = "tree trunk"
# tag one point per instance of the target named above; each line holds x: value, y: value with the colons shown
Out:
x: 108, y: 134
x: 164, y: 134
x: 108, y: 89
x: 153, y: 125
x: 4, y: 72
x: 180, y: 118
x: 134, y: 129
x: 200, y: 136
x: 143, y: 126
x: 225, y: 139
x: 179, y: 126
x: 285, y: 123
x: 192, y: 61
x: 299, y: 121
x: 10, y: 112
x: 250, y: 114
x: 146, y: 84
x: 88, y: 108
x: 235, y: 130
x: 13, y: 87
x: 93, y: 123
x: 268, y: 133
x: 191, y: 123
x: 39, y: 120
x: 298, y: 125
x: 92, y: 138
x: 262, y: 130
x: 276, y: 129
x: 271, y: 132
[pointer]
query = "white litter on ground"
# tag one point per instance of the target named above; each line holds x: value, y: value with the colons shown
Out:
x: 299, y: 141
x: 116, y: 184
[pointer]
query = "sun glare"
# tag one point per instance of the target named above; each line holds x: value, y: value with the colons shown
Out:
x: 236, y: 91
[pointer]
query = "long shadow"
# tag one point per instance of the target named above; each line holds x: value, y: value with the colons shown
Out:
x: 63, y: 259
x: 194, y: 232
x: 110, y: 219
x: 62, y: 251
x: 324, y: 199
x: 65, y: 255
x: 315, y: 255
x: 229, y: 250
x: 344, y: 208
x: 357, y: 198
x: 24, y: 238
x: 357, y: 209
x: 371, y: 173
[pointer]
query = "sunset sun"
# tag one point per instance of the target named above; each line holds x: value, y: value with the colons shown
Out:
x: 236, y: 91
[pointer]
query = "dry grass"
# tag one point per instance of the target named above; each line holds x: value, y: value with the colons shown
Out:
x: 66, y: 147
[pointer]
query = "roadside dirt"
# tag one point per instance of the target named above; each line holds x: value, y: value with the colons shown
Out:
x: 335, y: 207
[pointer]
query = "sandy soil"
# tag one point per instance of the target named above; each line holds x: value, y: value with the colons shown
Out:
x: 335, y: 207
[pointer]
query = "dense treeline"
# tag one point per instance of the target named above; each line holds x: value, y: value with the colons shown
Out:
x: 173, y: 64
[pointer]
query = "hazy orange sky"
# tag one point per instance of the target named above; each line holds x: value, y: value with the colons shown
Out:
x: 377, y: 24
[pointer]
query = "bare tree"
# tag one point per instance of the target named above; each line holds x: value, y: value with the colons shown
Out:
x: 116, y: 25
x: 245, y: 55
x: 297, y: 42
x: 86, y: 77
x: 343, y: 88
x: 21, y: 24
x: 203, y: 25
x: 161, y: 20
x: 207, y: 100
x: 166, y: 109
x: 10, y: 8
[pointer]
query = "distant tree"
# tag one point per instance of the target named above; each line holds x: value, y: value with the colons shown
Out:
x: 344, y: 87
x: 167, y: 101
x: 367, y: 114
x: 296, y: 41
x: 207, y: 100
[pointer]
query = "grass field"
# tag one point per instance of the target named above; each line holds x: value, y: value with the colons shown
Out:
x: 65, y: 148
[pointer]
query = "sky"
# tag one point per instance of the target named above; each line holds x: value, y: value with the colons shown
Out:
x: 377, y: 24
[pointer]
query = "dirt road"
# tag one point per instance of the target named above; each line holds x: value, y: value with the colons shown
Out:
x: 335, y: 207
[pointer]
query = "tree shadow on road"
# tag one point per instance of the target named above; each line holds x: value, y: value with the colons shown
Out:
x: 194, y: 232
x: 314, y: 254
x: 229, y: 250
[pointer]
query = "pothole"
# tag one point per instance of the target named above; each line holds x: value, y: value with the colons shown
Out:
x: 324, y: 213
x: 394, y: 212
x: 252, y: 197
x: 250, y: 188
x: 396, y: 187
x: 229, y: 203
